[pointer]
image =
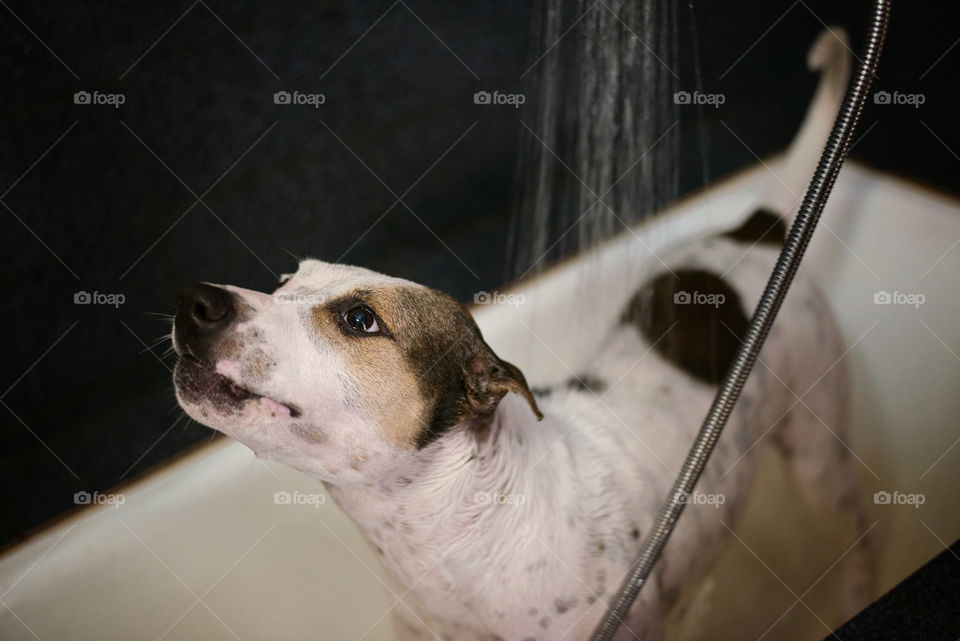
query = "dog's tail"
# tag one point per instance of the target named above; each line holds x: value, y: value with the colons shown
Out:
x: 830, y: 54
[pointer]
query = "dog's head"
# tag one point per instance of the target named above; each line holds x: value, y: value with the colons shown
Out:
x: 341, y: 372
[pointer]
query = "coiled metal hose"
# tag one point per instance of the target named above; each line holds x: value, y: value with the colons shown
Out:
x: 773, y: 295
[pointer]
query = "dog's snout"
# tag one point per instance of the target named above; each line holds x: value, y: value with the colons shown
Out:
x: 203, y: 311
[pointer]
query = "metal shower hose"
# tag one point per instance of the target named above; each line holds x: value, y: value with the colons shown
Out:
x: 773, y: 295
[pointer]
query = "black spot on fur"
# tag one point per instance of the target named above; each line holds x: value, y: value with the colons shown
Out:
x: 786, y: 448
x: 542, y: 392
x: 635, y: 533
x: 580, y: 383
x: 545, y: 622
x: 532, y: 612
x: 763, y: 227
x: 694, y: 320
x: 586, y: 383
x: 564, y: 605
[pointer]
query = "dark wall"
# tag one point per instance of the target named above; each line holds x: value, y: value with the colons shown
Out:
x: 199, y: 175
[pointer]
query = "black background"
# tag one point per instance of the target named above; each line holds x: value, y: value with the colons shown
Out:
x: 102, y: 199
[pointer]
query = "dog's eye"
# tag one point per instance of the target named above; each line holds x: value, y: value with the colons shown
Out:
x: 362, y: 319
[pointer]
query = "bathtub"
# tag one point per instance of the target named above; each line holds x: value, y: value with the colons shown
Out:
x: 221, y: 545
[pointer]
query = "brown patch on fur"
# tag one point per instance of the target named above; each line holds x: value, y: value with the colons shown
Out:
x: 763, y: 227
x: 229, y: 346
x: 385, y: 387
x: 699, y: 337
x: 256, y: 366
x: 307, y: 434
x: 357, y: 461
x: 428, y: 371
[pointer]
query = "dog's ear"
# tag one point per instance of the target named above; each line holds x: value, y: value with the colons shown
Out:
x: 488, y: 379
x: 458, y: 375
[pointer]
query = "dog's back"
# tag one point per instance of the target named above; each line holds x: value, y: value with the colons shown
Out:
x: 641, y: 401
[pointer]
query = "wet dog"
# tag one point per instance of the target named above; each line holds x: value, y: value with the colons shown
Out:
x: 505, y: 513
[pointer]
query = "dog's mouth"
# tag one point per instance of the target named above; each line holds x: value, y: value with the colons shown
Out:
x: 200, y: 384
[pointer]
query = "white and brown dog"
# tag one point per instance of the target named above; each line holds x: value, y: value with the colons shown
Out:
x: 485, y: 499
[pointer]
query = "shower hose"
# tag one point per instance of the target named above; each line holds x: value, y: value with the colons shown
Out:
x: 773, y: 295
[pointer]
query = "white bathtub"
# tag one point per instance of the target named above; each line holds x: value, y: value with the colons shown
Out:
x: 200, y: 550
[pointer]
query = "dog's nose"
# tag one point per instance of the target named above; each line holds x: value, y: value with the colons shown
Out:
x: 205, y: 305
x: 203, y: 311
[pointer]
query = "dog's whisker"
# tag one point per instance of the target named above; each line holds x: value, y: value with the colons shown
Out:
x: 160, y: 316
x: 162, y: 337
x: 157, y: 341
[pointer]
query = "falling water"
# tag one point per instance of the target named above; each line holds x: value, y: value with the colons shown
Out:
x: 602, y: 149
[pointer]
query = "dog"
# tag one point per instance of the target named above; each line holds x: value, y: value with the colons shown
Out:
x: 502, y: 512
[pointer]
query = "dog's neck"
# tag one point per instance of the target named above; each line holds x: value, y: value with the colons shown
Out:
x: 483, y: 503
x: 476, y: 480
x: 465, y: 468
